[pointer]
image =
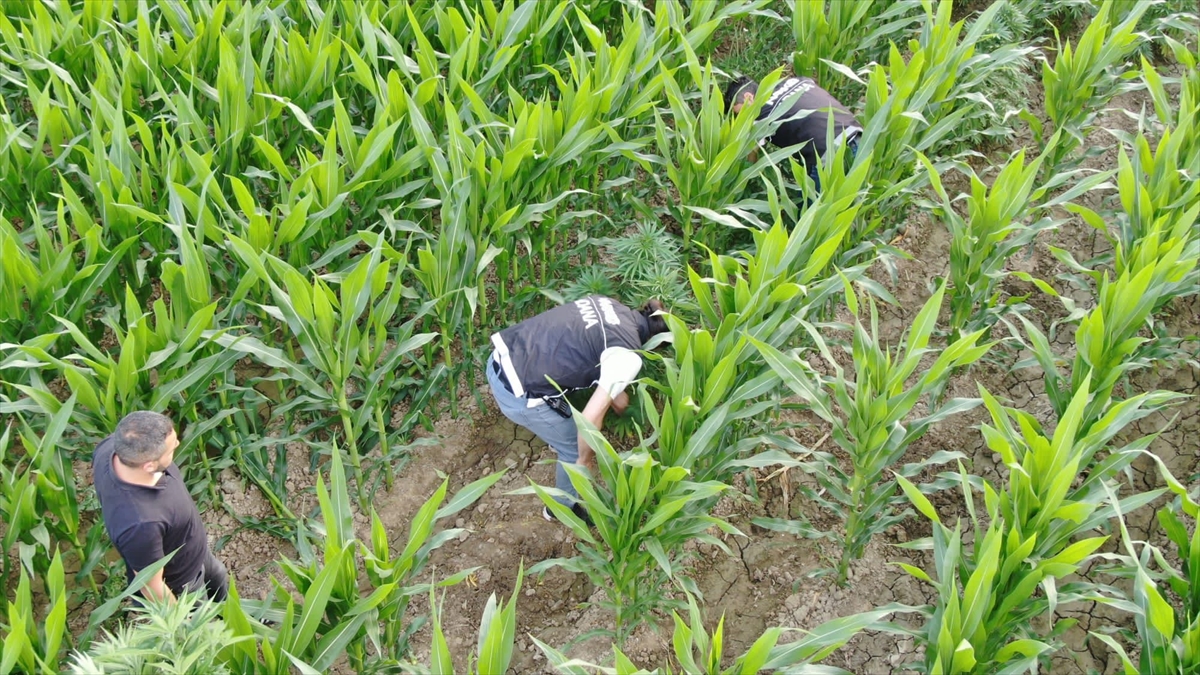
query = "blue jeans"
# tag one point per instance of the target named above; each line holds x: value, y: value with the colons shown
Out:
x: 558, y: 432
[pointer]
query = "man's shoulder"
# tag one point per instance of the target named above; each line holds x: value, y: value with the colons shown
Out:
x: 104, y: 447
x: 102, y: 458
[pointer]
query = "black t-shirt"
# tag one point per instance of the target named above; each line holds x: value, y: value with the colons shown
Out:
x: 146, y: 523
x: 807, y: 120
x: 565, y: 343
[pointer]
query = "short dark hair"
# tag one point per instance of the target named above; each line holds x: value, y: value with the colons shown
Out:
x: 140, y: 436
x: 656, y: 322
x: 736, y: 88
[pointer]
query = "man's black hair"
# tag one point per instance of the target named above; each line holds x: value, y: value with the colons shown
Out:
x: 140, y: 437
x: 734, y: 90
x: 655, y: 321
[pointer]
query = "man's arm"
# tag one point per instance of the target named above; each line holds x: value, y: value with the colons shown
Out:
x: 157, y: 589
x: 594, y: 412
x: 141, y: 546
x: 618, y: 367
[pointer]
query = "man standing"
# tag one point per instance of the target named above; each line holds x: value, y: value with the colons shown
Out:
x: 810, y: 111
x: 148, y: 511
x: 579, y: 345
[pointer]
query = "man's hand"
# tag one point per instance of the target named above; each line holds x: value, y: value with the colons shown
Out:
x: 621, y: 403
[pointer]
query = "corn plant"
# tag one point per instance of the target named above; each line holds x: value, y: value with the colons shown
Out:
x: 497, y: 631
x: 1107, y: 344
x: 697, y: 651
x: 870, y: 421
x: 713, y: 378
x: 39, y: 500
x: 33, y: 643
x: 1083, y: 80
x: 1169, y: 636
x: 642, y: 521
x: 983, y: 241
x: 335, y: 617
x: 920, y: 104
x: 178, y: 356
x: 1155, y: 226
x: 53, y: 282
x: 327, y: 328
x: 383, y: 567
x: 705, y: 153
x: 846, y: 34
x: 985, y: 615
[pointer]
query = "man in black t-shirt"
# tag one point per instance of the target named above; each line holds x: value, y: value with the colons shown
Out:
x: 588, y: 343
x: 148, y: 511
x: 805, y: 122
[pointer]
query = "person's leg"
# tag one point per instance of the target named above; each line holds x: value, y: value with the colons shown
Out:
x: 556, y: 431
x: 563, y: 438
x: 216, y: 578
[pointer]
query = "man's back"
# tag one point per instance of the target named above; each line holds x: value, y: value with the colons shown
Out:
x: 565, y: 343
x: 807, y: 118
x: 147, y: 522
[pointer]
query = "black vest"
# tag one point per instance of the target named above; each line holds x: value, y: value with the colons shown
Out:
x: 564, y: 344
x: 812, y: 128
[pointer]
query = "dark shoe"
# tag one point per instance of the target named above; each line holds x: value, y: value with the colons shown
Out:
x: 577, y: 508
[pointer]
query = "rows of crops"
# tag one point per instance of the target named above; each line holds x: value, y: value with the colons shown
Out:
x: 299, y: 221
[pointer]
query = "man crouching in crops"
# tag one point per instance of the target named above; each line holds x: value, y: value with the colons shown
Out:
x: 148, y: 511
x: 806, y: 121
x: 587, y: 343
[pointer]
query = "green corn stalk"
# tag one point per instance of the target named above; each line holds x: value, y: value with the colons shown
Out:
x: 336, y: 618
x: 642, y: 521
x: 918, y: 105
x: 1083, y: 80
x: 696, y: 651
x: 39, y: 499
x: 1169, y: 636
x: 1107, y: 341
x: 550, y: 144
x: 52, y: 279
x: 846, y: 34
x: 712, y: 379
x: 983, y: 241
x: 33, y: 644
x: 1156, y: 226
x: 156, y: 361
x: 497, y: 631
x: 986, y: 614
x: 705, y: 153
x: 383, y: 567
x: 870, y: 422
x: 306, y: 66
x: 327, y: 328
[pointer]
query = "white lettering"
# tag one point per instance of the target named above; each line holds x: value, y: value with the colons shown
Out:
x: 587, y: 313
x: 610, y: 314
x: 793, y: 86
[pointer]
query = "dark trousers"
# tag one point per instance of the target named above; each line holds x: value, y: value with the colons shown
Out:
x: 213, y: 578
x: 851, y: 153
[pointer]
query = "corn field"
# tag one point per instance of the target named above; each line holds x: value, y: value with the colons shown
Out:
x: 938, y: 417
